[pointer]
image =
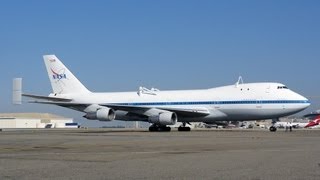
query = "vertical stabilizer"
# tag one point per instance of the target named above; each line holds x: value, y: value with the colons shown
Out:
x: 62, y: 80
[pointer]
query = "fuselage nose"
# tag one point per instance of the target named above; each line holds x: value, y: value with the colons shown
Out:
x: 304, y: 101
x: 307, y: 104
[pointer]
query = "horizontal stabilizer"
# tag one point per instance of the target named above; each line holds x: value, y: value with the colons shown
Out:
x: 63, y: 104
x: 47, y: 98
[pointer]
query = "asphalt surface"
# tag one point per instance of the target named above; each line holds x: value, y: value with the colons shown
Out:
x: 110, y: 154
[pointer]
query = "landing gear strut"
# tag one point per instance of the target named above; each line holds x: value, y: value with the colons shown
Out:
x: 183, y: 127
x: 273, y: 128
x: 159, y: 128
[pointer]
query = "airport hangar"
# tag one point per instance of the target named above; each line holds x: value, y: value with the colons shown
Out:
x: 35, y: 120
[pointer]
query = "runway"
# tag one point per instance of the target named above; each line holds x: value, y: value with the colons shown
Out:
x: 121, y: 154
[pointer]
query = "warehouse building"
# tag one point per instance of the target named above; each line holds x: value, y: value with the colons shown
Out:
x: 35, y: 120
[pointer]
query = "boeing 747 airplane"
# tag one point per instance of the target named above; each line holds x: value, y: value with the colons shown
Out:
x: 239, y: 102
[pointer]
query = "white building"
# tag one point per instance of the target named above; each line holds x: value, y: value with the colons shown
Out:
x: 35, y: 120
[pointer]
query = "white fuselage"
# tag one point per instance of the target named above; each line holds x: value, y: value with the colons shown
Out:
x: 253, y: 101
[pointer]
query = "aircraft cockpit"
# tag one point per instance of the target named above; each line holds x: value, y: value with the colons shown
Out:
x: 282, y: 87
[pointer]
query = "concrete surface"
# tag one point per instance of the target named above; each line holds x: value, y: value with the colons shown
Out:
x: 117, y: 154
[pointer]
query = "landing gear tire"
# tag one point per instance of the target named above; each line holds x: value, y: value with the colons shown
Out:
x: 165, y: 129
x: 273, y: 129
x: 181, y: 128
x: 155, y: 128
x: 152, y: 129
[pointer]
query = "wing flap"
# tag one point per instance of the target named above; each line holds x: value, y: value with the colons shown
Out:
x: 199, y: 112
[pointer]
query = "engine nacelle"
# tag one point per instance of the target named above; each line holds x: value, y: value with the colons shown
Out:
x: 165, y: 118
x: 102, y: 114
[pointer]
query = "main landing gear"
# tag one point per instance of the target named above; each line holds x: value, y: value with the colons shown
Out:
x: 164, y: 128
x: 159, y: 128
x: 273, y: 128
x: 183, y: 127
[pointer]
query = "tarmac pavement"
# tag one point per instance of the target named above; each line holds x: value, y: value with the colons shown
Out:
x: 122, y: 154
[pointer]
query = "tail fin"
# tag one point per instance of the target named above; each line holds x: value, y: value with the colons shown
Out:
x: 62, y: 80
x: 314, y: 122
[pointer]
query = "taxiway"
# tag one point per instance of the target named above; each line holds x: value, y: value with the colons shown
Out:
x: 121, y: 154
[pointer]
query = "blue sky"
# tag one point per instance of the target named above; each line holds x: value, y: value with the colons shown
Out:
x: 121, y: 45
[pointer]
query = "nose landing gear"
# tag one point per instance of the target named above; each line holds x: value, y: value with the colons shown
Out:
x: 273, y: 127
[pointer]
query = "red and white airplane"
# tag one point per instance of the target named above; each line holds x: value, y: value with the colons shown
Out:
x: 314, y: 119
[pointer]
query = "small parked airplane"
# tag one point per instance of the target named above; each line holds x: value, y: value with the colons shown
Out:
x: 314, y: 119
x: 239, y: 102
x: 292, y: 124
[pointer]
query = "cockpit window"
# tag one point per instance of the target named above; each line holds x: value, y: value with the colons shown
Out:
x: 282, y: 87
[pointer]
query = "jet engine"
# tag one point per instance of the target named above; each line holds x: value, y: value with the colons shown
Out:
x: 102, y: 114
x: 164, y: 118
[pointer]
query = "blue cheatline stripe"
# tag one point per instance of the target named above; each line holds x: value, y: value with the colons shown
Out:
x: 214, y: 102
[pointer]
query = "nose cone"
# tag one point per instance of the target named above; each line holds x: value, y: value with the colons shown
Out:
x: 307, y: 103
x: 303, y: 100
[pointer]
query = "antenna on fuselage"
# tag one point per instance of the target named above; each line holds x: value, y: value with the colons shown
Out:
x: 240, y: 81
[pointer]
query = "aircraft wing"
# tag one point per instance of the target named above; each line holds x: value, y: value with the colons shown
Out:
x: 179, y: 111
x: 200, y: 112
